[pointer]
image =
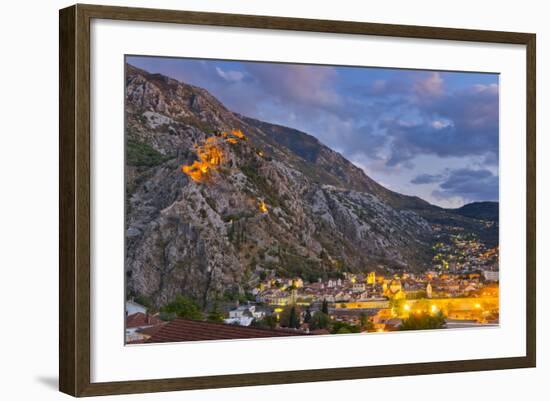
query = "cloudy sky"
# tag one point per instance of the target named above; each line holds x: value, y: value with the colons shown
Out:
x: 425, y: 133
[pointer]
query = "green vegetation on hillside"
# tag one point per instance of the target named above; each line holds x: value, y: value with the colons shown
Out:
x: 181, y: 307
x: 141, y: 154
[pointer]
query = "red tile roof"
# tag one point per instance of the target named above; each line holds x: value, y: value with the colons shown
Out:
x: 194, y: 330
x: 146, y: 333
x: 140, y: 319
x: 151, y: 330
x: 320, y: 331
x: 140, y: 341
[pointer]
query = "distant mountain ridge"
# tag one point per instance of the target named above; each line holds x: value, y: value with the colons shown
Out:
x: 479, y: 210
x: 323, y: 215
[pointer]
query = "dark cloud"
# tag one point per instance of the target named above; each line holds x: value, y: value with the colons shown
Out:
x: 455, y: 124
x: 427, y: 178
x: 470, y: 185
x: 411, y: 115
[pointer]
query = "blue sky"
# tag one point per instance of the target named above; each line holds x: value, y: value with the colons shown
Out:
x: 425, y: 133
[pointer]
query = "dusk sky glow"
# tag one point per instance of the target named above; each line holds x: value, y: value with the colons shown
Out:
x: 424, y: 133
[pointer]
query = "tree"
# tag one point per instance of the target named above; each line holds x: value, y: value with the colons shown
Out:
x: 344, y: 328
x: 365, y: 323
x: 145, y: 301
x: 293, y: 320
x: 267, y: 322
x: 290, y: 317
x: 182, y: 307
x: 307, y: 317
x: 423, y: 321
x: 215, y: 315
x: 319, y: 321
x: 324, y: 307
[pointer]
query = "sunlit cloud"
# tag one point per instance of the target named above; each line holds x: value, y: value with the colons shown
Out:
x: 230, y: 76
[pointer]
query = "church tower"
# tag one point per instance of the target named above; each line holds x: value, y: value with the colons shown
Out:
x: 371, y: 278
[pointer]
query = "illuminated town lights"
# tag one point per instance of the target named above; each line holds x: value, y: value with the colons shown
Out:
x: 262, y: 206
x: 211, y: 155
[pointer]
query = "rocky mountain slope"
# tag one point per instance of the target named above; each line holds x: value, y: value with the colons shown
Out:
x: 215, y: 200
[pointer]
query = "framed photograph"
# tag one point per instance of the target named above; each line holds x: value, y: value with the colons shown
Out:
x: 249, y: 200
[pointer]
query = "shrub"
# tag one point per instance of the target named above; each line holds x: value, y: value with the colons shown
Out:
x: 423, y: 321
x: 141, y: 154
x: 182, y: 307
x: 319, y: 320
x: 344, y: 328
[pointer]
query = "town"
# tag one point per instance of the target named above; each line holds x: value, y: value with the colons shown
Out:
x: 461, y: 290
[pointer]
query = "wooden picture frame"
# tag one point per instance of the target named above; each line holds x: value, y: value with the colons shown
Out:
x: 74, y: 203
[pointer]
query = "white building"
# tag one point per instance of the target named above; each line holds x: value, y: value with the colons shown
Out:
x: 241, y: 321
x: 133, y: 307
x: 358, y: 287
x: 243, y: 315
x: 490, y: 275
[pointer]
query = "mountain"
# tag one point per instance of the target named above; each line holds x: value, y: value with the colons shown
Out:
x: 215, y: 200
x: 479, y: 210
x: 324, y: 165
